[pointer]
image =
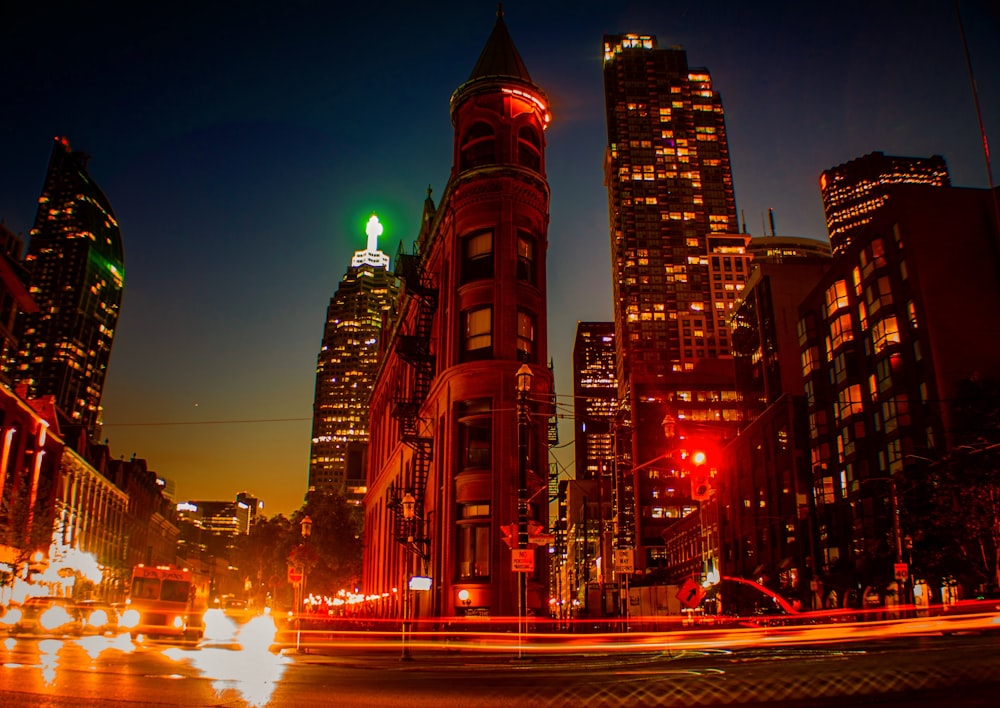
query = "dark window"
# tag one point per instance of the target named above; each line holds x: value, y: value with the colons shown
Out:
x: 478, y: 147
x: 475, y: 440
x: 473, y: 550
x: 529, y: 148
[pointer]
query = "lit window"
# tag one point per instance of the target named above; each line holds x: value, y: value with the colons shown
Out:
x: 836, y: 297
x: 477, y: 333
x: 840, y: 331
x: 850, y: 401
x: 525, y: 336
x: 477, y: 255
x: 884, y: 333
x: 525, y: 257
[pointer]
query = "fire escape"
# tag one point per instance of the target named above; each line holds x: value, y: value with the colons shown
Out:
x: 415, y: 349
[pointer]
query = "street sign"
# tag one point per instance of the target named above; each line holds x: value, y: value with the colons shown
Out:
x: 295, y: 575
x: 536, y: 537
x: 901, y: 571
x: 624, y: 561
x: 509, y: 535
x: 522, y: 560
x: 690, y: 594
x: 421, y: 582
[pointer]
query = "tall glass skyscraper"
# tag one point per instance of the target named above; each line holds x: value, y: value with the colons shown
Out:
x: 595, y: 398
x: 76, y: 273
x: 678, y: 263
x: 345, y: 368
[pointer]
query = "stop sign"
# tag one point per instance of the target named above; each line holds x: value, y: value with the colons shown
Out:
x: 294, y: 575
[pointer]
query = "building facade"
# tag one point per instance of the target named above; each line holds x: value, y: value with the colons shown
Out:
x: 29, y: 480
x: 595, y: 398
x: 761, y: 504
x: 346, y: 365
x: 908, y: 312
x: 14, y: 298
x: 854, y: 190
x: 678, y: 262
x: 76, y: 273
x: 456, y: 451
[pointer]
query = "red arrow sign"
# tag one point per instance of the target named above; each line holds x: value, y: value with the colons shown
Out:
x: 509, y: 535
x: 690, y: 594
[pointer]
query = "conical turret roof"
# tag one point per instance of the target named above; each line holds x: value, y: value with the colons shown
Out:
x: 499, y: 57
x: 498, y: 65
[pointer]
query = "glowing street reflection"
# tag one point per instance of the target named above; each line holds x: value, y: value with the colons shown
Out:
x: 253, y: 670
x: 48, y: 657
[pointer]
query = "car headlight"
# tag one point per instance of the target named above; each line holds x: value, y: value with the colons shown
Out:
x: 98, y: 618
x: 54, y: 617
x: 129, y: 619
x: 12, y: 617
x: 178, y: 622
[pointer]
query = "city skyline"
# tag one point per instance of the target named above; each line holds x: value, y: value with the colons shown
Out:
x: 243, y: 169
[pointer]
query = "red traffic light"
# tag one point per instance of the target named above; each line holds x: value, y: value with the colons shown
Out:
x: 698, y: 458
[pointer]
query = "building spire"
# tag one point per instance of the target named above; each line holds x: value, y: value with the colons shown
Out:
x: 372, y: 255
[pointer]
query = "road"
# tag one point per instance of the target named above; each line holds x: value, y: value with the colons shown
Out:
x: 104, y: 672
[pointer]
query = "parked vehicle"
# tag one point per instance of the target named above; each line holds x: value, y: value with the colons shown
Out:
x: 97, y: 617
x: 45, y: 615
x: 237, y: 610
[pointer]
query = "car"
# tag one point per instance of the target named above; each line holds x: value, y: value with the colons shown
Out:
x: 96, y: 617
x: 237, y: 610
x: 47, y: 615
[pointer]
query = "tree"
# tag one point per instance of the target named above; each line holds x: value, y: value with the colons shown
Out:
x: 263, y: 558
x: 959, y: 528
x: 335, y: 540
x: 331, y: 554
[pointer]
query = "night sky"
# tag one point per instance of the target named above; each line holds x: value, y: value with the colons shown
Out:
x: 243, y: 146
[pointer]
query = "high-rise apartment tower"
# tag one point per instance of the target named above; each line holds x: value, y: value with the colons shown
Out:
x: 345, y: 367
x: 678, y: 262
x: 76, y: 273
x: 854, y: 190
x: 595, y: 398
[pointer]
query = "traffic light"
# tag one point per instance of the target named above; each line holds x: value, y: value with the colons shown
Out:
x: 701, y: 478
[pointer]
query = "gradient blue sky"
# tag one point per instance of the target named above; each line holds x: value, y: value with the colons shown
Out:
x: 244, y: 144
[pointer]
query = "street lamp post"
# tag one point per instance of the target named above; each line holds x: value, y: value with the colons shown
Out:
x: 305, y: 527
x: 524, y: 376
x: 409, y: 504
